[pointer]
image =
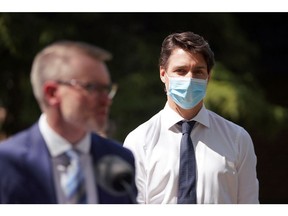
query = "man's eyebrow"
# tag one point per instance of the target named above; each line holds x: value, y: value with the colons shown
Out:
x: 179, y: 67
x: 200, y: 67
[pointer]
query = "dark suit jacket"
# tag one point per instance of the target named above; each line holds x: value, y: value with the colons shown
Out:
x: 26, y: 173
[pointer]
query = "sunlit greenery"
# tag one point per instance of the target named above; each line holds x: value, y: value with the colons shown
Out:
x: 135, y: 41
x: 231, y: 96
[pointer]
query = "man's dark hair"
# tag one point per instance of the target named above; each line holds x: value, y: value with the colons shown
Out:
x: 188, y: 41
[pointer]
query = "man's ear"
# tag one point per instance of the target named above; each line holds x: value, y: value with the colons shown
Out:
x: 50, y: 93
x: 162, y: 75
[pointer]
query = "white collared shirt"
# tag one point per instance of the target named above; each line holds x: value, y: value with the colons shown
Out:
x: 57, y: 146
x: 225, y: 157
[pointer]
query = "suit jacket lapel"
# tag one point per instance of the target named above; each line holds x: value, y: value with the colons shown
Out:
x: 40, y: 163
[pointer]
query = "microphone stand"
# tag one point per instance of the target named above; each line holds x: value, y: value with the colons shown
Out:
x: 129, y: 191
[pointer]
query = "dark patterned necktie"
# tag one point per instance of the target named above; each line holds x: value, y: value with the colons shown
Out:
x: 187, y: 171
x: 72, y: 181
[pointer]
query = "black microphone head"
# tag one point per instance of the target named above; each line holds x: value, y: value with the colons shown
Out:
x: 113, y: 174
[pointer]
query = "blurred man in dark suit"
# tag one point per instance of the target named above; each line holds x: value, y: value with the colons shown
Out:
x: 55, y: 158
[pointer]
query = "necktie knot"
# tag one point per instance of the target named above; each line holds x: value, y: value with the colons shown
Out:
x: 72, y: 155
x: 187, y: 126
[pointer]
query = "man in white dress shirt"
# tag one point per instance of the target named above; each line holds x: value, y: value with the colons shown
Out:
x: 225, y: 156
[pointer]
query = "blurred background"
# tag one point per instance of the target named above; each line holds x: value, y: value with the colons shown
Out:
x: 249, y: 82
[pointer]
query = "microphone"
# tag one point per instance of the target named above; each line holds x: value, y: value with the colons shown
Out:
x: 115, y: 175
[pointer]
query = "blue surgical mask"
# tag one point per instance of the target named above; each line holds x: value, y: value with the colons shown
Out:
x: 186, y: 92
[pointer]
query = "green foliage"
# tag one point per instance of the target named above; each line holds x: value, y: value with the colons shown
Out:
x: 135, y: 40
x: 139, y: 97
x: 243, y: 102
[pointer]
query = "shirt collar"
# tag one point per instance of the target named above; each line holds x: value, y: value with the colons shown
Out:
x: 203, y: 117
x: 170, y: 117
x: 56, y: 144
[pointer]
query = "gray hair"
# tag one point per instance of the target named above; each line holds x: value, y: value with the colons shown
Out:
x: 53, y: 61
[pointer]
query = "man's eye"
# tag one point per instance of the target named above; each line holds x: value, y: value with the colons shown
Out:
x: 90, y: 87
x: 181, y: 70
x: 198, y: 72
